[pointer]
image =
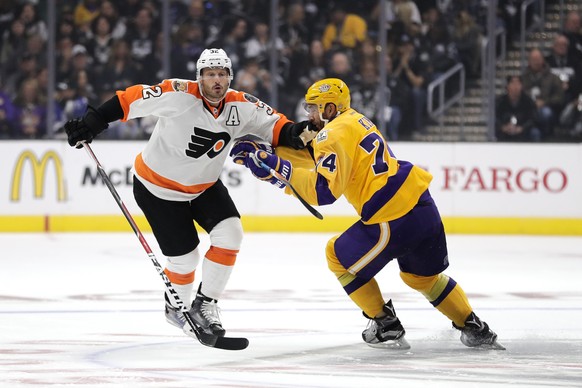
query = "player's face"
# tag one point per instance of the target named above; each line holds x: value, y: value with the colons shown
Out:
x: 313, y: 115
x: 214, y: 84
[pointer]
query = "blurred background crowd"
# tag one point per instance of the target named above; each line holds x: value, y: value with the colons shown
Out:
x: 102, y: 46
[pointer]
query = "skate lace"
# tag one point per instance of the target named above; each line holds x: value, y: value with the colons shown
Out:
x: 211, y: 312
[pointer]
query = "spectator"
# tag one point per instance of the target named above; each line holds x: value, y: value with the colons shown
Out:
x: 259, y: 45
x: 194, y: 15
x: 120, y: 72
x: 414, y: 71
x: 545, y: 89
x: 231, y: 36
x: 81, y: 62
x: 515, y: 114
x: 315, y: 66
x: 64, y: 59
x: 12, y: 48
x: 83, y: 15
x: 36, y: 46
x: 189, y: 44
x: 154, y: 68
x: 295, y: 37
x: 344, y: 31
x: 365, y: 99
x: 340, y: 66
x: 66, y: 29
x: 118, y: 26
x: 99, y: 47
x: 433, y: 41
x: 7, y: 15
x: 571, y: 118
x: 510, y: 18
x: 573, y: 31
x: 27, y: 67
x: 32, y: 23
x: 563, y: 64
x: 467, y: 39
x: 399, y: 99
x: 253, y: 80
x: 141, y: 37
x: 30, y: 111
x: 366, y: 52
x: 400, y: 12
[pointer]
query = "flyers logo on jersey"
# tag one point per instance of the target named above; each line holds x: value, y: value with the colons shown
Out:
x: 205, y: 142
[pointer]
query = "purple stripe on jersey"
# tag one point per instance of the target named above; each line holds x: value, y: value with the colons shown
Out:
x: 448, y: 288
x: 324, y: 195
x: 386, y: 193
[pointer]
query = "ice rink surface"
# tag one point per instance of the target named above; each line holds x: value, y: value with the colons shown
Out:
x: 85, y: 310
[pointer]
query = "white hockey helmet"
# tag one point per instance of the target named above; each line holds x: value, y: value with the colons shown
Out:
x: 214, y: 58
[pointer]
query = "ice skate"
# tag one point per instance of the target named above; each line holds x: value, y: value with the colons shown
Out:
x: 385, y: 332
x: 477, y: 334
x: 173, y: 314
x: 206, y: 314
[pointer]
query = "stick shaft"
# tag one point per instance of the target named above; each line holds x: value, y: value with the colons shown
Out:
x: 177, y: 300
x: 287, y: 183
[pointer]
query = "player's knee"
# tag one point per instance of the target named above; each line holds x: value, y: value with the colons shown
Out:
x: 333, y: 262
x: 227, y: 234
x: 419, y: 283
x: 185, y: 263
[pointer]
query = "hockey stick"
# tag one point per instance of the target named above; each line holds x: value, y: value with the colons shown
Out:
x: 287, y: 183
x: 228, y: 343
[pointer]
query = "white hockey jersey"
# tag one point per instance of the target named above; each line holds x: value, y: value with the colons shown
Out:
x: 191, y: 140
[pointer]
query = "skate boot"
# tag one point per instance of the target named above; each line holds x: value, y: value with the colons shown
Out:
x: 173, y: 314
x: 206, y: 314
x: 477, y: 334
x: 385, y: 332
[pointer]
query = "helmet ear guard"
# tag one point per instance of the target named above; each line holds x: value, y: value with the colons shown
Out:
x: 214, y: 58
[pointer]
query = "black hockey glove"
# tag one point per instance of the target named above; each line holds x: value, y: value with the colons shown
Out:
x: 300, y: 134
x: 85, y: 129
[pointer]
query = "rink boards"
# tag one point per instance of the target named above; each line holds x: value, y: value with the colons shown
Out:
x: 479, y: 188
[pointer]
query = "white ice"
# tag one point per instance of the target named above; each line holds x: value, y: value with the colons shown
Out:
x: 85, y: 310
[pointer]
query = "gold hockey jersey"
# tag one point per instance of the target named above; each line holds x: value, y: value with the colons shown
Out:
x: 352, y: 159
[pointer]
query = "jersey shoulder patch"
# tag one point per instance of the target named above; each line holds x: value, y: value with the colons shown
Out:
x: 250, y: 98
x: 180, y: 85
x: 321, y: 136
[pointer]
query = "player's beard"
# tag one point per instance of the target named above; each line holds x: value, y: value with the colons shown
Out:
x: 214, y: 93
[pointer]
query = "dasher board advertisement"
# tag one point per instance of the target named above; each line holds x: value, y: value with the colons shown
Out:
x: 477, y: 182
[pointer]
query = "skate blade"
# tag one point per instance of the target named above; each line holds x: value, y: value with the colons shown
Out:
x: 496, y: 346
x: 399, y: 344
x: 492, y: 346
x: 175, y: 324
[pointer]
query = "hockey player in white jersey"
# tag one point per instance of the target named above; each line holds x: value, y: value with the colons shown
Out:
x: 177, y: 175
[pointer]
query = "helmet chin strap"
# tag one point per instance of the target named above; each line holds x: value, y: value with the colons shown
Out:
x: 324, y: 121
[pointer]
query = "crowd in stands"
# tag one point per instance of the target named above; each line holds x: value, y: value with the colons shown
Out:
x: 549, y: 92
x: 105, y: 45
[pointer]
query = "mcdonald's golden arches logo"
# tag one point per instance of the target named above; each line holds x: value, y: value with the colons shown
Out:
x: 39, y: 168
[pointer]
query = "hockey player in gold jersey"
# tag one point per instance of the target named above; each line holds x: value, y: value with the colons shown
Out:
x: 398, y: 217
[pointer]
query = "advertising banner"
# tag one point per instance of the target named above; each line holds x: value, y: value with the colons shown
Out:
x: 489, y: 180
